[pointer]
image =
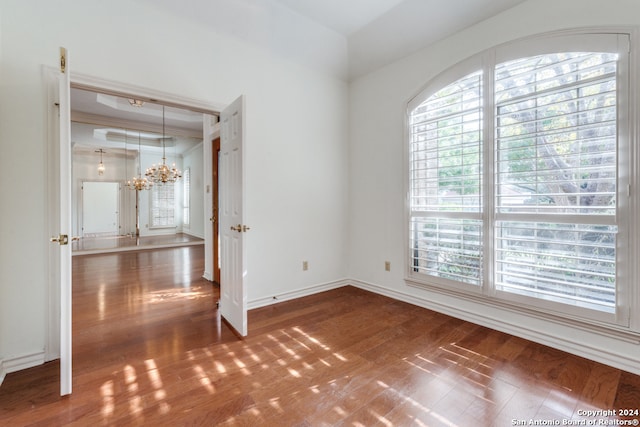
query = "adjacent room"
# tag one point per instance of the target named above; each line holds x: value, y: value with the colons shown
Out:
x: 116, y: 142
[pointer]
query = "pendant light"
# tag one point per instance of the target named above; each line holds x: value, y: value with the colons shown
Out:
x: 162, y: 173
x: 100, y: 165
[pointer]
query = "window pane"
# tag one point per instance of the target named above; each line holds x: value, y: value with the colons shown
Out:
x: 448, y: 248
x: 162, y: 205
x: 446, y: 155
x: 556, y: 131
x: 567, y: 263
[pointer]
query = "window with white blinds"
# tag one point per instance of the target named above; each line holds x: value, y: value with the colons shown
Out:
x: 515, y: 173
x: 186, y: 197
x: 446, y: 182
x: 556, y: 140
x: 163, y: 205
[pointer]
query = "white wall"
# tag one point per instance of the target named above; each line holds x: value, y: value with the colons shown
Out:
x: 291, y: 72
x: 376, y: 174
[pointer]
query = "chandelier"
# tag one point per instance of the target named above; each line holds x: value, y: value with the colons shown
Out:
x: 138, y: 182
x: 162, y: 174
x: 136, y: 102
x: 100, y: 165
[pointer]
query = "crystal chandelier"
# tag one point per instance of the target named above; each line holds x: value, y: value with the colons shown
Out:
x: 162, y: 174
x: 138, y: 182
x: 136, y: 102
x: 100, y: 165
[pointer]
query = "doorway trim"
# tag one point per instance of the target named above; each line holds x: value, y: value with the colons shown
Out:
x: 86, y: 82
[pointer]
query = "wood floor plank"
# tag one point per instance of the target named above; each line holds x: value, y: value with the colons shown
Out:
x: 150, y: 348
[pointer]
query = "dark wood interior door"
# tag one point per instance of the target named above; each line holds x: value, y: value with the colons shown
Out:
x: 215, y: 214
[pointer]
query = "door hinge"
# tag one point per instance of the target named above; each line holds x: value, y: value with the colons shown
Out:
x: 63, y: 60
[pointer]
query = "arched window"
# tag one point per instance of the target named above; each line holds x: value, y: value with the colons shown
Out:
x: 519, y: 177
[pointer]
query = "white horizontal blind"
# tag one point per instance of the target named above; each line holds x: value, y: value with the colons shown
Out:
x: 556, y: 174
x: 446, y: 182
x: 186, y: 197
x: 162, y: 205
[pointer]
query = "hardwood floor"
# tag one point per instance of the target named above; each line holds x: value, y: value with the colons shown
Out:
x: 150, y: 349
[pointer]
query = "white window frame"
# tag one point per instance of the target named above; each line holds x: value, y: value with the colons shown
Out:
x: 628, y: 294
x: 186, y: 198
x: 161, y: 187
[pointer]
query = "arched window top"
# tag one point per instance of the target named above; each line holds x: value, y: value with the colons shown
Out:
x: 541, y: 47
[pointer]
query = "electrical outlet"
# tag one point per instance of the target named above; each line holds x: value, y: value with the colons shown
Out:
x: 387, y: 265
x: 305, y: 265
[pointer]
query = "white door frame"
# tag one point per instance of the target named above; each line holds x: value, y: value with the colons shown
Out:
x: 60, y: 308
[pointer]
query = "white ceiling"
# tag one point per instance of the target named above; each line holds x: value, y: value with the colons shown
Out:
x: 379, y: 32
x: 343, y: 16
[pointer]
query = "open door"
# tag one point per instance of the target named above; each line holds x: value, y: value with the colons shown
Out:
x: 63, y: 239
x: 233, y: 294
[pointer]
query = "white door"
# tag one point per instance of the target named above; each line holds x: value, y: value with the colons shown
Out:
x: 64, y: 238
x: 233, y: 294
x: 100, y: 202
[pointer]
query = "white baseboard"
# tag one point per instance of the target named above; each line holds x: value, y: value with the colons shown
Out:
x: 207, y: 275
x: 199, y: 236
x: 587, y: 350
x: 23, y: 362
x: 274, y: 299
x: 19, y: 363
x: 2, y: 372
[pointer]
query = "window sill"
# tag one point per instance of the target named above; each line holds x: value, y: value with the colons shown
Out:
x: 592, y: 326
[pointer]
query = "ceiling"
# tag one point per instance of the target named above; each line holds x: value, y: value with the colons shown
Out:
x: 101, y: 120
x: 343, y: 16
x: 379, y: 32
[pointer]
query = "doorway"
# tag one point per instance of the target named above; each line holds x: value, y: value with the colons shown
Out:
x: 59, y: 340
x: 232, y: 126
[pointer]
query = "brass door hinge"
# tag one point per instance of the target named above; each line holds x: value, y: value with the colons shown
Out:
x: 63, y: 60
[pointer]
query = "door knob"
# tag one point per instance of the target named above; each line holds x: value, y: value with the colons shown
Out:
x: 237, y: 228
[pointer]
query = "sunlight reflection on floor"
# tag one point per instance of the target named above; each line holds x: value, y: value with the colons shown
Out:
x: 284, y: 350
x: 106, y: 390
x: 170, y: 295
x: 159, y: 394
